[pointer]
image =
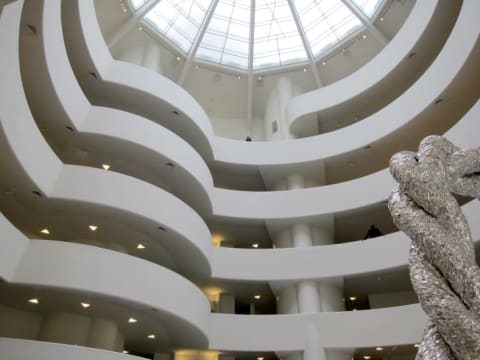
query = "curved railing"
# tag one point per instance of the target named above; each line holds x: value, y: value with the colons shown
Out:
x: 370, y: 79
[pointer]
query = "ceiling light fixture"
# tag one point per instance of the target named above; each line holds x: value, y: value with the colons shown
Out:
x: 352, y: 298
x: 257, y: 297
x: 324, y: 63
x: 140, y: 246
x: 379, y: 348
x: 34, y: 301
x: 151, y: 336
x: 255, y: 245
x: 124, y: 351
x: 304, y: 69
x: 106, y: 166
x: 366, y: 357
x: 132, y: 320
x: 364, y: 36
x: 417, y: 345
x: 140, y: 28
x: 381, y: 19
x: 45, y: 231
x: 85, y: 305
x: 239, y: 77
x: 259, y: 78
x: 178, y: 58
x: 260, y: 358
x: 93, y: 227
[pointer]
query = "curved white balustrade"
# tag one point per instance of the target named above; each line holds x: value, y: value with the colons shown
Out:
x: 37, y: 167
x: 443, y: 72
x: 122, y: 81
x: 367, y: 328
x: 321, y: 262
x: 260, y: 206
x: 457, y: 53
x: 67, y: 104
x: 18, y: 349
x: 82, y: 267
x: 330, y: 199
x: 371, y: 75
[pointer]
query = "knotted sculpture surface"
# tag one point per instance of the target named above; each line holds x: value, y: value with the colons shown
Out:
x: 443, y: 270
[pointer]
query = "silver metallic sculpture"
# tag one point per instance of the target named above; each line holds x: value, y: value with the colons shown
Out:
x: 443, y: 269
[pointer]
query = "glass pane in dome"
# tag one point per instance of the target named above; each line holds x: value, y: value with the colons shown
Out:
x: 230, y: 27
x: 325, y: 22
x: 179, y: 20
x: 137, y: 3
x: 275, y: 33
x: 369, y: 7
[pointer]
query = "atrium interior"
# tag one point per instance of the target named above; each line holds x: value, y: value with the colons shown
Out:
x: 208, y: 179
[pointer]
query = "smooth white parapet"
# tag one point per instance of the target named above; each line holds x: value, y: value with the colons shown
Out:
x: 81, y: 267
x: 367, y: 328
x: 369, y: 75
x: 16, y: 349
x: 322, y: 262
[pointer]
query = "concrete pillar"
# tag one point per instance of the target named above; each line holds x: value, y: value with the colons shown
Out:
x: 102, y: 334
x: 226, y: 304
x: 151, y: 57
x: 119, y: 342
x: 65, y: 328
x: 313, y: 349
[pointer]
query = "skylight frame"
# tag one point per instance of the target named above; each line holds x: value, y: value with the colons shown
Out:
x: 270, y: 68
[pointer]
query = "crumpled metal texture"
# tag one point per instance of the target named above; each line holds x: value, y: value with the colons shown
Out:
x: 442, y: 263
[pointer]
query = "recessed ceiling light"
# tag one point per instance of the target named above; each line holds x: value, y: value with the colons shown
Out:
x: 381, y: 19
x: 364, y: 36
x: 85, y: 305
x: 106, y: 166
x: 259, y: 78
x: 324, y: 63
x: 239, y: 77
x: 125, y: 10
x: 140, y: 246
x: 124, y: 351
x: 34, y: 301
x: 255, y: 245
x: 258, y: 297
x: 260, y: 358
x: 140, y: 28
x: 132, y: 320
x: 379, y: 348
x: 45, y: 231
x: 353, y: 298
x: 178, y: 58
x: 366, y: 357
x: 93, y: 227
x: 151, y: 336
x: 304, y: 69
x: 417, y: 345
x: 354, y: 309
x: 196, y: 67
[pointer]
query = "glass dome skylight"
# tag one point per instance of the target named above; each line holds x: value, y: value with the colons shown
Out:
x: 283, y: 31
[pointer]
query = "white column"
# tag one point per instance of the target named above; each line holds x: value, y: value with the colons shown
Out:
x: 226, y: 304
x: 313, y: 349
x: 284, y: 93
x: 65, y: 328
x: 102, y: 334
x: 151, y: 57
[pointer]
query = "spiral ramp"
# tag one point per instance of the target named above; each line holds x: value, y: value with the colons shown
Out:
x: 67, y: 107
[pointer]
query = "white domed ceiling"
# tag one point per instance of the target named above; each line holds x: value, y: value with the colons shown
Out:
x: 256, y: 34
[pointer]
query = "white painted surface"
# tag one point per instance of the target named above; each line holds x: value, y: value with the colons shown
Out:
x: 336, y: 329
x: 15, y: 349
